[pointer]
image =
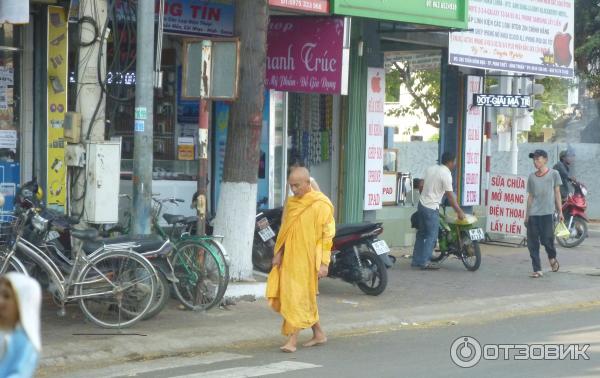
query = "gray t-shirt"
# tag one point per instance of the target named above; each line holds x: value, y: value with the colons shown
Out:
x: 542, y: 190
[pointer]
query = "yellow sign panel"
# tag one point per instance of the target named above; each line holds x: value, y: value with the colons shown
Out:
x: 57, y: 105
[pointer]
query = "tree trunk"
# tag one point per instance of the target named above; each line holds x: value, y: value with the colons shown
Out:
x: 237, y: 204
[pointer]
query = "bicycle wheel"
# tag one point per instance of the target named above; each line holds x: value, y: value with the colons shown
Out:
x: 201, y: 272
x: 117, y: 289
x: 12, y: 265
x: 223, y: 264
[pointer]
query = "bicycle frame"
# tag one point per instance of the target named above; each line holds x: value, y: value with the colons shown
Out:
x: 63, y: 284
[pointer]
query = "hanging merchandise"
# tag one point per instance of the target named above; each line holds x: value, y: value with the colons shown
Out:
x: 315, y: 129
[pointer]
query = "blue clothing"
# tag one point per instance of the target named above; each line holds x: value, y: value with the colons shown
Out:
x: 427, y: 235
x: 20, y: 358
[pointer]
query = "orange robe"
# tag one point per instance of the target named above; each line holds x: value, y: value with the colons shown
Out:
x: 306, y: 236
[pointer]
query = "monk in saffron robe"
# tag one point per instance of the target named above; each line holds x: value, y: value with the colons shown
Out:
x: 303, y: 252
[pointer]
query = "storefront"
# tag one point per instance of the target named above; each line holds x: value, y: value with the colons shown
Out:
x: 305, y: 70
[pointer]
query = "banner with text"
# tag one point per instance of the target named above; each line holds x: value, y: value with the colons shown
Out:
x: 374, y: 145
x: 56, y: 184
x: 507, y: 205
x: 198, y: 17
x: 524, y: 36
x: 304, y: 54
x: 312, y: 6
x: 472, y: 144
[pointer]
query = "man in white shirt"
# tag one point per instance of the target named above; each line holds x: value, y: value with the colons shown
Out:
x: 437, y: 182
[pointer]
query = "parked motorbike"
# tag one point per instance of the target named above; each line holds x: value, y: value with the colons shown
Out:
x: 357, y: 257
x: 576, y: 219
x: 56, y: 241
x: 459, y: 238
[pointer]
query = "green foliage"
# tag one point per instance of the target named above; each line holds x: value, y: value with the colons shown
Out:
x: 587, y: 43
x: 554, y: 101
x: 423, y: 87
x: 392, y: 87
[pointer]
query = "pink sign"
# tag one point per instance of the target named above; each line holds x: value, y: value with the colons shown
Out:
x: 304, y: 54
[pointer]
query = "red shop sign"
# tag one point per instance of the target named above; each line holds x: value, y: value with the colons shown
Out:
x: 304, y: 54
x: 313, y: 6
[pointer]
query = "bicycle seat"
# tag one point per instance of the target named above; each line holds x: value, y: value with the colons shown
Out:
x: 88, y: 234
x: 173, y: 219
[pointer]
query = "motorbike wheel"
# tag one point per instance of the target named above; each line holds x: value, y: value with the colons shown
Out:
x: 262, y: 256
x: 470, y: 254
x: 161, y: 297
x: 378, y: 283
x: 580, y: 229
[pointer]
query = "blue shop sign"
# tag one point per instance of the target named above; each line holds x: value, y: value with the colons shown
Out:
x: 198, y: 17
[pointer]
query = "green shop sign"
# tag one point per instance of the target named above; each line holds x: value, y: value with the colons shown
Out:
x: 445, y: 13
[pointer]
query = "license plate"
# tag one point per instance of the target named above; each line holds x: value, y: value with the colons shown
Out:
x: 476, y: 234
x: 380, y: 247
x: 266, y: 234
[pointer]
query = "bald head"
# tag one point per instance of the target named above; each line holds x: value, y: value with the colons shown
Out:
x: 299, y: 181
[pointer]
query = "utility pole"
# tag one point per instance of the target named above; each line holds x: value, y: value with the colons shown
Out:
x: 144, y: 118
x: 514, y: 147
x: 91, y: 103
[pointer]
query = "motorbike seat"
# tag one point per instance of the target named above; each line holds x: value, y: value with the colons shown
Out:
x: 173, y: 218
x: 138, y: 243
x: 88, y: 234
x: 355, y: 228
x: 189, y: 220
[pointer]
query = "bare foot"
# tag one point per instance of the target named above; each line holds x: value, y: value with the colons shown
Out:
x: 316, y: 340
x: 288, y: 348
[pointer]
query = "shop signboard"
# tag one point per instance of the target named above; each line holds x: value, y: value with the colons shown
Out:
x: 525, y: 36
x: 472, y: 145
x: 374, y: 139
x: 304, y: 54
x: 311, y: 6
x: 415, y: 60
x: 57, y: 105
x: 507, y: 205
x: 444, y: 13
x: 502, y: 101
x: 198, y: 17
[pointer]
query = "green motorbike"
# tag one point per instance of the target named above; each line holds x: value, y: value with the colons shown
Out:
x: 459, y: 238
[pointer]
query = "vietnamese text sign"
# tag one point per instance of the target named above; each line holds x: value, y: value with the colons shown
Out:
x: 313, y: 6
x: 502, y: 101
x: 471, y: 174
x: 304, y: 54
x: 374, y: 145
x: 198, y: 17
x: 525, y: 36
x: 445, y: 13
x: 56, y: 185
x: 507, y: 205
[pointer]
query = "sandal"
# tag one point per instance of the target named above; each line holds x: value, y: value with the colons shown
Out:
x: 555, y: 265
x: 536, y: 275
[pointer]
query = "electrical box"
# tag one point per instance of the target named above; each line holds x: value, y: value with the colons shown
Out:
x: 72, y: 127
x: 103, y: 171
x: 75, y: 155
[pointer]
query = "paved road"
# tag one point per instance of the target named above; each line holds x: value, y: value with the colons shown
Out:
x: 407, y: 352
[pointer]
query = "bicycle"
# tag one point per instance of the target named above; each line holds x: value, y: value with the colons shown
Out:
x: 200, y: 263
x: 113, y: 286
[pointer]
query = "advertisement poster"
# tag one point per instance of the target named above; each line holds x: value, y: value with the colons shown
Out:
x: 220, y: 123
x: 57, y: 105
x: 185, y: 148
x: 472, y: 145
x: 304, y: 54
x: 507, y: 205
x: 389, y: 191
x: 312, y: 6
x: 524, y: 36
x: 374, y: 145
x: 198, y: 17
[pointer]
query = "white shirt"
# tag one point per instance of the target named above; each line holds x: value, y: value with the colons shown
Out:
x: 438, y: 181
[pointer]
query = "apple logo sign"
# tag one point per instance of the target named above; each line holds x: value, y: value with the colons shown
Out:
x: 562, y: 48
x: 376, y: 83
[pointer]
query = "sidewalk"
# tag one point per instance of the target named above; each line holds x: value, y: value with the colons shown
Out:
x: 500, y: 288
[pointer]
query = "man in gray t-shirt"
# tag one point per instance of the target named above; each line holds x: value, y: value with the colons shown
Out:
x: 543, y: 190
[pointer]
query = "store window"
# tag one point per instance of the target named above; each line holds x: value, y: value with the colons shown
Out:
x: 10, y: 63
